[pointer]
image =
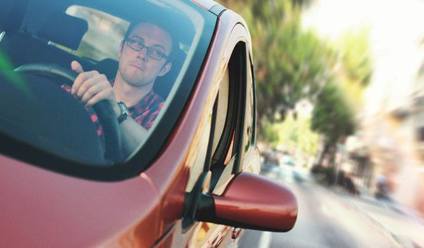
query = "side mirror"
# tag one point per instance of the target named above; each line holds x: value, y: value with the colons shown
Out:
x: 253, y: 202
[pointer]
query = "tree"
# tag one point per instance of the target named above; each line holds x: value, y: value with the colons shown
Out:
x: 334, y: 115
x: 291, y: 64
x: 354, y: 66
x: 355, y: 56
x: 333, y: 118
x: 294, y: 134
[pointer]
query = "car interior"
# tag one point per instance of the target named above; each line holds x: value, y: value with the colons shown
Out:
x: 39, y: 112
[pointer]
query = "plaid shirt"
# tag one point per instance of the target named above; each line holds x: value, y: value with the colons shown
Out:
x: 144, y: 112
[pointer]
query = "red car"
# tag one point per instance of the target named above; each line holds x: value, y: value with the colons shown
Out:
x: 67, y: 176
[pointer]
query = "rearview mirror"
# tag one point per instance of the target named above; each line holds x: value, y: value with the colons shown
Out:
x: 253, y: 202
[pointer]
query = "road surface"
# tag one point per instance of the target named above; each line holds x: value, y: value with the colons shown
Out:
x: 333, y: 218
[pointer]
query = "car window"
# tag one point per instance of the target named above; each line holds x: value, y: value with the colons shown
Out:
x: 222, y: 102
x: 42, y: 38
x: 250, y: 117
x: 229, y: 118
x: 104, y: 35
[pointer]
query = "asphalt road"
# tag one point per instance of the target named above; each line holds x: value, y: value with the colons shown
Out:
x: 333, y: 218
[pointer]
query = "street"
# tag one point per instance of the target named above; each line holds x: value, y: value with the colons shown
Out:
x: 333, y: 218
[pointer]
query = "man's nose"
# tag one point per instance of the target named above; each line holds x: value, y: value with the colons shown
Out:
x: 142, y: 53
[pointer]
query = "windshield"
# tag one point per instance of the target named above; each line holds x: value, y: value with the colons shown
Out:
x: 91, y: 81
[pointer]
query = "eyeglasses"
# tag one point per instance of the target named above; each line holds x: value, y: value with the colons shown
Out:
x: 151, y: 52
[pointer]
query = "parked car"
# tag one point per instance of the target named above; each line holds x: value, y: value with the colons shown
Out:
x: 288, y: 160
x: 192, y: 181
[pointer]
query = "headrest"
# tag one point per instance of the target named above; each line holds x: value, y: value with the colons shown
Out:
x: 64, y: 29
x: 164, y: 84
x: 12, y: 14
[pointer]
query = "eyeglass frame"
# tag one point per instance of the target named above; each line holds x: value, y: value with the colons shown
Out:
x: 149, y: 49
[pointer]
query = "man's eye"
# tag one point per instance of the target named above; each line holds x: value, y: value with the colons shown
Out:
x: 157, y: 52
x: 136, y: 41
x: 139, y: 43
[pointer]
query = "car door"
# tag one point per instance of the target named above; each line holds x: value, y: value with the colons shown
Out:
x: 232, y: 136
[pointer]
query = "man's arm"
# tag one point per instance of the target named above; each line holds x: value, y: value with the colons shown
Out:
x: 91, y: 87
x: 132, y: 133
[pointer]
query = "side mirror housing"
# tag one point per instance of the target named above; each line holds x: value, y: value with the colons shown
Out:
x: 253, y: 202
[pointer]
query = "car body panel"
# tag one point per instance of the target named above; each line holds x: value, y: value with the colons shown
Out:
x: 123, y: 209
x: 202, y: 99
x: 46, y: 209
x: 42, y: 208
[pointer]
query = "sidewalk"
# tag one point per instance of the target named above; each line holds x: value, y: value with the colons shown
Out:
x: 401, y: 223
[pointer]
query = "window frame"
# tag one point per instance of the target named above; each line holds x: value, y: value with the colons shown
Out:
x: 230, y: 144
x: 217, y: 168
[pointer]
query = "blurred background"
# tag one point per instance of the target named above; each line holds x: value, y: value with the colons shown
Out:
x: 340, y: 88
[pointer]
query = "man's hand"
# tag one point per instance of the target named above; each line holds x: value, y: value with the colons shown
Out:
x: 91, y: 86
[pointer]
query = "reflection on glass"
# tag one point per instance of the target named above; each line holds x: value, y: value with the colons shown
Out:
x: 79, y: 54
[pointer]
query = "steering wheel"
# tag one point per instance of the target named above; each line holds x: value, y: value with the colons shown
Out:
x: 103, y: 108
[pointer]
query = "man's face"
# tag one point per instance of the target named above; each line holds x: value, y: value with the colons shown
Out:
x: 144, y: 55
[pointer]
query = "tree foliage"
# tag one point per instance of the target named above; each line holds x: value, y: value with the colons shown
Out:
x: 291, y: 64
x: 294, y: 134
x: 332, y: 117
x: 355, y: 66
x: 355, y: 56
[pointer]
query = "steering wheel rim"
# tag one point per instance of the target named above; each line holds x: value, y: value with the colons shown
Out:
x: 103, y: 108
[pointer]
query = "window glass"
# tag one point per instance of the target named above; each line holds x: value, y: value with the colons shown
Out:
x: 104, y: 35
x: 222, y: 102
x: 141, y: 50
x: 250, y: 106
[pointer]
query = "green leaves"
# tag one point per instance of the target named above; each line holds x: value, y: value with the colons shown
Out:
x: 332, y: 116
x: 355, y: 56
x: 293, y: 64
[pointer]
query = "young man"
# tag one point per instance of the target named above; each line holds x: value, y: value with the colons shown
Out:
x: 144, y: 56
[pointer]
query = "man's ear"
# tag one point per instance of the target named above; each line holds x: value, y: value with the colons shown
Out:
x: 165, y: 69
